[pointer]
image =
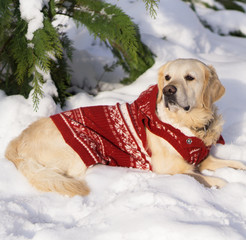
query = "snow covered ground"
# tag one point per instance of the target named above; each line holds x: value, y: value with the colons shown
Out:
x: 128, y: 204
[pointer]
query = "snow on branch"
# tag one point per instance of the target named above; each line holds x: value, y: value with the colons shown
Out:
x: 31, y: 12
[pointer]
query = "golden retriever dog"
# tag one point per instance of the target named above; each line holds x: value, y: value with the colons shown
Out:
x: 183, y: 113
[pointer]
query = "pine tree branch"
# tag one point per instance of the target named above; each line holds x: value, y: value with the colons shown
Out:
x: 6, y: 44
x: 49, y: 46
x: 151, y: 6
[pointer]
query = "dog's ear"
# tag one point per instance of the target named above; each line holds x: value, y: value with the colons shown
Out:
x: 160, y: 82
x: 213, y: 89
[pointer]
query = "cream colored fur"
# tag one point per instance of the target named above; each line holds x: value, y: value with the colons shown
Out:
x: 42, y: 155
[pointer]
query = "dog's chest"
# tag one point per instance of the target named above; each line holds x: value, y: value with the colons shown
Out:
x: 164, y: 118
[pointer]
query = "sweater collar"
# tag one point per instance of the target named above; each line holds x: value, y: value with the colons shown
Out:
x: 192, y: 149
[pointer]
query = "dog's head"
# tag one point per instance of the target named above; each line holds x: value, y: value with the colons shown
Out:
x: 185, y: 84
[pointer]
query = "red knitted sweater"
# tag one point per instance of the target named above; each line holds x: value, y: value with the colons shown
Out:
x: 116, y: 136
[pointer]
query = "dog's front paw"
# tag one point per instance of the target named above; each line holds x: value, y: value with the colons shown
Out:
x: 238, y: 165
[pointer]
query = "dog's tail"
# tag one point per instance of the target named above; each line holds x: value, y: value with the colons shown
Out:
x: 11, y: 152
x: 48, y: 179
x: 44, y: 178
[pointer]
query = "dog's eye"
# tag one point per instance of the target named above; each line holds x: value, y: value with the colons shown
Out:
x: 189, y: 78
x: 167, y: 77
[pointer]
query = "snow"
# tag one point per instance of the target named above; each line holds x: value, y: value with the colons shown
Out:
x: 223, y: 21
x: 90, y: 57
x: 31, y: 12
x: 213, y: 3
x: 129, y: 204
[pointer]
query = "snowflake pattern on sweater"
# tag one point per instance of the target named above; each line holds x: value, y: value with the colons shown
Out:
x: 100, y: 135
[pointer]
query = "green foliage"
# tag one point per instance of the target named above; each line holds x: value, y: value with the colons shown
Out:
x: 23, y: 62
x: 135, y: 68
x: 116, y: 29
x: 60, y: 71
x: 150, y: 6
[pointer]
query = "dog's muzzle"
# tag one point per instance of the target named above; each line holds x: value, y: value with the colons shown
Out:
x: 170, y: 97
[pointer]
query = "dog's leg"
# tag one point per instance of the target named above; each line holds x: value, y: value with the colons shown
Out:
x: 212, y: 163
x: 208, y: 181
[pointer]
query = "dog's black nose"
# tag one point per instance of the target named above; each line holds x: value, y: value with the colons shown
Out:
x: 169, y: 90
